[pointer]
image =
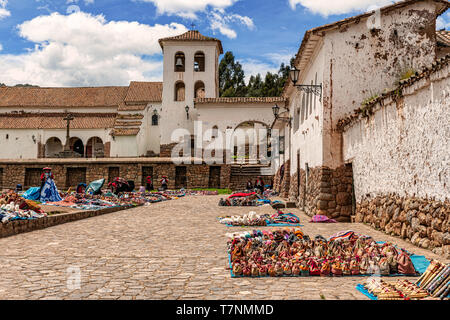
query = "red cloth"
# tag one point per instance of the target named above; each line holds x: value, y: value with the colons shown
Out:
x: 241, y: 194
x: 43, y: 176
x: 149, y: 180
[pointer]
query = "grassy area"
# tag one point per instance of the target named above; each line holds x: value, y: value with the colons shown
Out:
x: 219, y: 191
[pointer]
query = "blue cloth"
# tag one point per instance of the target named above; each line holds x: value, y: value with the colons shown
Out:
x: 361, y: 289
x: 95, y: 186
x: 32, y: 194
x: 420, y: 263
x: 49, y: 192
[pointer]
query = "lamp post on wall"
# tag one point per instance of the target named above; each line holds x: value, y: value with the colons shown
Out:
x: 315, y: 89
x: 187, y: 112
x: 276, y: 111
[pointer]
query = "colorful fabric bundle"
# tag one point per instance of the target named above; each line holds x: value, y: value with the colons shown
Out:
x: 322, y: 219
x: 436, y: 280
x: 280, y: 250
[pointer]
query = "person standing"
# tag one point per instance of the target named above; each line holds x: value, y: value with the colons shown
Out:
x: 48, y: 191
x: 249, y: 185
x: 149, y: 186
x: 164, y: 183
x: 259, y: 184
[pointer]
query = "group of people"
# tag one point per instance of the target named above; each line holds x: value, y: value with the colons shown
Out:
x: 164, y: 183
x: 259, y: 185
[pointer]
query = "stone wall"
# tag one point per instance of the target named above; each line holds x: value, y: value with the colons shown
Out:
x: 166, y: 150
x: 284, y: 188
x: 324, y: 191
x: 197, y: 176
x: 424, y: 222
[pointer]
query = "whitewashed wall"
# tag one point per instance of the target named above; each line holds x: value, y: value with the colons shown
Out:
x: 404, y: 150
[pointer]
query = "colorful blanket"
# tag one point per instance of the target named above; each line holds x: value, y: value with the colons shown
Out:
x: 49, y: 191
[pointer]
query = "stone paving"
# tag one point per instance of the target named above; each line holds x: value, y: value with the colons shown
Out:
x: 168, y: 250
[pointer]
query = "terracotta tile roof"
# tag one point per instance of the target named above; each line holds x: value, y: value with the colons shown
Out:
x: 119, y: 123
x: 191, y: 35
x: 239, y: 100
x: 125, y: 132
x: 61, y: 97
x: 443, y: 38
x: 313, y: 35
x: 144, y: 92
x: 55, y: 120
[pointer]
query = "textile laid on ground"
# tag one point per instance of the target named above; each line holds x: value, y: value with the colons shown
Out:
x: 108, y: 199
x: 14, y: 207
x: 254, y: 219
x: 244, y: 199
x: 202, y: 192
x: 49, y: 191
x: 288, y: 252
x: 323, y: 219
x: 32, y: 193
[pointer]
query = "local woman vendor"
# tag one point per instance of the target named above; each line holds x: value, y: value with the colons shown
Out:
x: 164, y: 182
x: 48, y: 191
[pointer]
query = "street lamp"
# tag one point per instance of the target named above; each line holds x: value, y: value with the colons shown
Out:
x: 187, y: 112
x: 276, y: 110
x: 315, y: 89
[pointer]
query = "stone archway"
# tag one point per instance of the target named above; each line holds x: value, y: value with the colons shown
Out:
x: 95, y: 148
x: 53, y: 147
x: 250, y: 129
x: 77, y: 145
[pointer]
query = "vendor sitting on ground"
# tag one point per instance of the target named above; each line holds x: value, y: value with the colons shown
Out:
x: 249, y: 185
x: 164, y: 183
x: 81, y: 188
x: 48, y: 191
x: 149, y: 186
x: 259, y: 184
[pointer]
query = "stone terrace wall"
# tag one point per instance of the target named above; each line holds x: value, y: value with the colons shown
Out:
x: 197, y: 176
x: 324, y: 191
x: 424, y: 222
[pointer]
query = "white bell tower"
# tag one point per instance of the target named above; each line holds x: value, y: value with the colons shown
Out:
x: 191, y: 70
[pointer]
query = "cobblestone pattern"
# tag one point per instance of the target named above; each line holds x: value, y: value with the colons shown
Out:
x: 20, y: 226
x: 169, y: 250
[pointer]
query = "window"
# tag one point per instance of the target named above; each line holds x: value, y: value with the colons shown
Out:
x: 154, y: 120
x: 215, y: 132
x: 179, y: 62
x: 179, y: 91
x: 303, y: 109
x: 199, y: 62
x: 296, y: 118
x: 199, y: 90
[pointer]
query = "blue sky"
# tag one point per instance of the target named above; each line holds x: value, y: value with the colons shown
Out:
x: 110, y: 42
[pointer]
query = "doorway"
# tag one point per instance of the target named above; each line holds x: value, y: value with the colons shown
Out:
x: 214, y: 177
x: 32, y: 177
x: 113, y: 172
x: 146, y: 171
x: 180, y: 177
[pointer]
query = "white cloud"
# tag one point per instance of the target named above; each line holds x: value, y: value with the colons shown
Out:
x: 3, y: 12
x: 220, y: 21
x: 1, y: 47
x: 187, y: 8
x: 443, y: 22
x: 326, y: 7
x: 85, y: 50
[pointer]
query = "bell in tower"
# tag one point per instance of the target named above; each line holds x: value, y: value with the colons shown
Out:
x: 179, y: 62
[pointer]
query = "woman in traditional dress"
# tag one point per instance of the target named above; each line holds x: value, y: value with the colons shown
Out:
x: 259, y: 184
x: 164, y: 182
x: 48, y: 191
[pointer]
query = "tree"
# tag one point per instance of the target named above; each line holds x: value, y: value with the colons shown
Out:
x: 231, y: 77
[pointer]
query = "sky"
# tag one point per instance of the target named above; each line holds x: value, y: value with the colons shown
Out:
x: 111, y: 42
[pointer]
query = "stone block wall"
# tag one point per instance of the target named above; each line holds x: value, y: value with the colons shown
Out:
x: 285, y: 184
x: 324, y: 191
x: 197, y: 175
x: 166, y: 150
x: 424, y: 222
